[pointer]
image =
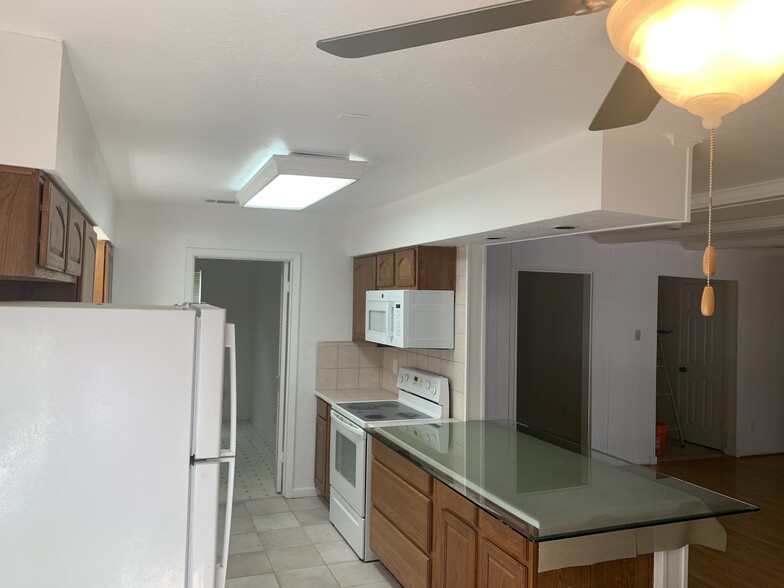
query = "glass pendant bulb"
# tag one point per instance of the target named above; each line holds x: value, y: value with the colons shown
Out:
x: 707, y: 56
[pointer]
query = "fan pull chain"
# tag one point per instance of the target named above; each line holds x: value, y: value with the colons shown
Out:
x: 709, y: 257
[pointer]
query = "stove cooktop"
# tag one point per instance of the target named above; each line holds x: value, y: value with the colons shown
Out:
x: 382, y: 410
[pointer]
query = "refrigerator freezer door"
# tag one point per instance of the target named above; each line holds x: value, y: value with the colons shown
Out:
x: 95, y: 435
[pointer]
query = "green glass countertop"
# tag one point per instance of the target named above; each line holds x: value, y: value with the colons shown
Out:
x: 546, y: 488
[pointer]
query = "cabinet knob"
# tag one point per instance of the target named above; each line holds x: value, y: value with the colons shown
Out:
x: 682, y: 369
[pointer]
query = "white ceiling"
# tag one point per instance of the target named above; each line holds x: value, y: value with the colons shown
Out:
x: 189, y: 97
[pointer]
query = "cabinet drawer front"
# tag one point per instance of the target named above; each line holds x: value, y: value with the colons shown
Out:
x: 448, y: 499
x: 510, y: 541
x: 410, y: 566
x: 403, y: 469
x: 404, y: 506
x: 322, y: 409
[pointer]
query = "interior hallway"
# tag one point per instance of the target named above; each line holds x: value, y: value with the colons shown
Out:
x: 255, y: 471
x: 755, y: 541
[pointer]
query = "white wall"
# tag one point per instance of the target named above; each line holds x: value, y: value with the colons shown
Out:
x: 590, y: 179
x: 29, y: 100
x: 150, y: 265
x: 623, y: 379
x: 80, y: 164
x: 44, y: 123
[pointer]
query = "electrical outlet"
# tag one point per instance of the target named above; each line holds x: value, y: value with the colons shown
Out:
x: 394, y: 366
x: 637, y: 334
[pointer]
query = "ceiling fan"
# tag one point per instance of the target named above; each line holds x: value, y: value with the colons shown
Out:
x: 631, y: 98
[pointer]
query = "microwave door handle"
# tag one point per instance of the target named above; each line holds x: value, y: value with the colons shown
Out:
x: 391, y: 320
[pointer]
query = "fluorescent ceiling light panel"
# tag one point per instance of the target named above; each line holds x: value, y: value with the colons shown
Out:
x: 294, y: 182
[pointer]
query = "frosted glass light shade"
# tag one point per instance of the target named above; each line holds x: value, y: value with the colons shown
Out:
x: 294, y: 182
x: 707, y: 56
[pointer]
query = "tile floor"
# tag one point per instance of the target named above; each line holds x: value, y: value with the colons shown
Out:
x: 254, y: 476
x: 290, y: 543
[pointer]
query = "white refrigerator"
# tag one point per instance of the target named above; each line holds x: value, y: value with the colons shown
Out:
x: 110, y: 445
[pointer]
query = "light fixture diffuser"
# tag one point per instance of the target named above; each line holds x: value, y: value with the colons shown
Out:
x: 294, y: 182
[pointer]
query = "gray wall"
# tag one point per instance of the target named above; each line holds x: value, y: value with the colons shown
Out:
x: 231, y: 285
x: 267, y: 331
x: 550, y: 352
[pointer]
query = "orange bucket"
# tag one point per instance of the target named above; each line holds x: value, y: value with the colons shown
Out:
x: 661, y: 438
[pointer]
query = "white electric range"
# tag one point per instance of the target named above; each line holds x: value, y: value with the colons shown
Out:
x: 422, y: 397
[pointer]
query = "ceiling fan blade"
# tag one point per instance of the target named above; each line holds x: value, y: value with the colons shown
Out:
x: 631, y: 100
x: 450, y: 26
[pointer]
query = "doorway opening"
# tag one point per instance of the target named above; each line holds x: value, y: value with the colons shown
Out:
x: 258, y: 291
x: 553, y: 353
x: 696, y: 368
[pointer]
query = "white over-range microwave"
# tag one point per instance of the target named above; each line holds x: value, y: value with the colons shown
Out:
x: 417, y: 319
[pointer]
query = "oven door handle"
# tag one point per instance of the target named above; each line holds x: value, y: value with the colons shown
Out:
x: 346, y: 424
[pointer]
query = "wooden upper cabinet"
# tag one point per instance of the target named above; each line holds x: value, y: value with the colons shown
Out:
x: 421, y: 268
x: 104, y: 261
x: 385, y: 270
x: 87, y: 278
x: 364, y: 280
x: 19, y: 211
x: 405, y: 268
x: 74, y: 241
x: 54, y: 228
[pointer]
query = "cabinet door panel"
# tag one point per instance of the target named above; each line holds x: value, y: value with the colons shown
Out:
x: 385, y: 270
x: 87, y: 279
x: 322, y: 460
x: 54, y: 227
x: 19, y: 201
x: 103, y: 272
x: 455, y: 556
x: 74, y: 242
x: 405, y: 268
x: 364, y: 280
x: 497, y: 569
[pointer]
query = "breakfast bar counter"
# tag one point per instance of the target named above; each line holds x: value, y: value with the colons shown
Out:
x: 580, y: 514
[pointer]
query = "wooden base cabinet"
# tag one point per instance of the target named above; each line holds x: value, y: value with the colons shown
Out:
x: 321, y: 473
x: 401, y: 519
x: 467, y: 547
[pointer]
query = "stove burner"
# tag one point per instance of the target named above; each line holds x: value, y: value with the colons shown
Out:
x: 375, y: 417
x: 366, y: 405
x: 405, y: 415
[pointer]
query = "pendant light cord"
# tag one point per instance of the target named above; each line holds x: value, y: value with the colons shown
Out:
x: 710, y: 200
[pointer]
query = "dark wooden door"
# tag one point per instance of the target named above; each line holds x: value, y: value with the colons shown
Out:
x: 74, y: 242
x: 87, y: 278
x: 405, y: 268
x: 385, y: 270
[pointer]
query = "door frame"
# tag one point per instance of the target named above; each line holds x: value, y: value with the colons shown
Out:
x: 292, y: 344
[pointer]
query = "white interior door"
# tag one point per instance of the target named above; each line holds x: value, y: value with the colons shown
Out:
x: 285, y: 296
x: 701, y: 368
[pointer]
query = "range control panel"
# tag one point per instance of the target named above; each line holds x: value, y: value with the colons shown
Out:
x: 424, y: 384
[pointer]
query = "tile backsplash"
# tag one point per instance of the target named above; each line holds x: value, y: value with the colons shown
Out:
x: 345, y: 364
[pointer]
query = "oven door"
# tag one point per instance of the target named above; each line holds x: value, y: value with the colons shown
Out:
x: 347, y: 462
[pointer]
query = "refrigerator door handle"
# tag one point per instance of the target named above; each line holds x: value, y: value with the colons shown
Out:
x: 220, y: 572
x: 231, y: 345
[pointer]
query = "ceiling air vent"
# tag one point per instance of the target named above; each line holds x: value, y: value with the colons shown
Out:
x: 214, y: 201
